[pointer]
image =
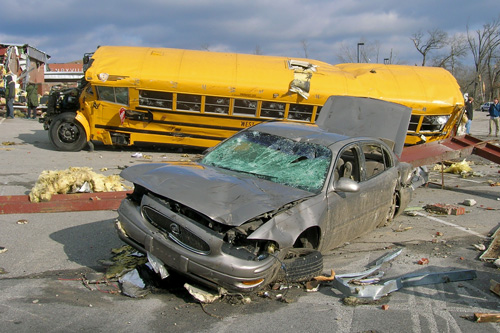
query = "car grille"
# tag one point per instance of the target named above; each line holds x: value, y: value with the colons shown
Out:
x: 176, y: 232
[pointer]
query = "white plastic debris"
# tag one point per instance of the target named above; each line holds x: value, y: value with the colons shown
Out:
x: 497, y: 263
x: 132, y: 284
x: 469, y: 202
x: 137, y: 155
x: 158, y: 266
x: 480, y: 247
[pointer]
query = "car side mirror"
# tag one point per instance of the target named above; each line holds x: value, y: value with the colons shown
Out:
x: 346, y: 185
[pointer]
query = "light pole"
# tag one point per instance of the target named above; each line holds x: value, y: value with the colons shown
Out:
x: 359, y: 44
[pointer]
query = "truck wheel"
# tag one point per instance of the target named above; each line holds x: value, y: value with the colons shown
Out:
x: 66, y: 133
x: 300, y: 265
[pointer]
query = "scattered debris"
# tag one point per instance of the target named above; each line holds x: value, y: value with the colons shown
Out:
x: 495, y: 287
x: 385, y: 307
x: 203, y: 295
x: 376, y: 291
x: 480, y: 247
x: 136, y: 155
x: 401, y: 229
x: 158, y: 266
x: 124, y: 260
x: 493, y: 251
x: 22, y: 221
x: 132, y: 284
x: 71, y: 181
x: 9, y: 143
x: 487, y: 317
x: 444, y: 209
x: 3, y: 271
x: 312, y: 286
x: 459, y: 168
x: 469, y: 202
x: 423, y: 261
x: 3, y: 249
x: 326, y: 278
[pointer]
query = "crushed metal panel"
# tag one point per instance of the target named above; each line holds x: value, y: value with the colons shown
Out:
x: 361, y: 116
x: 301, y: 83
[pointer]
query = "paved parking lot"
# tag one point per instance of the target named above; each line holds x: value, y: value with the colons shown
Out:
x: 41, y: 288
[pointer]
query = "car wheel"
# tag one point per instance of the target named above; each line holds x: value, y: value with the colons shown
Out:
x: 66, y: 133
x: 300, y: 264
x: 393, y: 209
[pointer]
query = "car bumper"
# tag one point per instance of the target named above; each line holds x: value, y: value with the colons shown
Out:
x: 217, y: 269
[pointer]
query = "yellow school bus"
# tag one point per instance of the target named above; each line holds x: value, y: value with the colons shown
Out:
x: 198, y: 98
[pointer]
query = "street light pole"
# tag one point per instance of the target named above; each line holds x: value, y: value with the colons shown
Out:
x: 359, y: 44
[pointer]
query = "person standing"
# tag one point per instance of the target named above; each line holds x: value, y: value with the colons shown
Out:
x: 32, y: 100
x: 494, y: 114
x: 10, y: 94
x: 469, y: 112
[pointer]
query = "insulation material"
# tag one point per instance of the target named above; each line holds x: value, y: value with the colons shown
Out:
x: 72, y: 180
x: 459, y: 168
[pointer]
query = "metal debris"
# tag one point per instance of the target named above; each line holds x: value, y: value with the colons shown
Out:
x: 202, y: 295
x: 376, y: 291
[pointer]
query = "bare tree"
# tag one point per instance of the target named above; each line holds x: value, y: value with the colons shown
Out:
x: 435, y: 40
x: 258, y: 50
x: 305, y: 46
x: 484, y: 45
x: 457, y: 50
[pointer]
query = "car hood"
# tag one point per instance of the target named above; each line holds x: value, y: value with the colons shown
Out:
x: 224, y: 196
x: 362, y: 116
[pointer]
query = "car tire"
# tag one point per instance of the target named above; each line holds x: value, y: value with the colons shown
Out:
x: 67, y: 134
x: 393, y: 209
x: 300, y: 265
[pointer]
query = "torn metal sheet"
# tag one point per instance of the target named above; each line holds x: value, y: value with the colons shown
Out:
x: 411, y: 280
x: 202, y: 295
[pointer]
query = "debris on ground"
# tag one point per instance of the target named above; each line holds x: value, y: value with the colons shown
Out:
x: 469, y: 202
x: 203, y: 295
x: 444, y: 209
x: 423, y: 261
x: 492, y: 253
x: 458, y: 168
x: 487, y: 317
x: 480, y: 247
x: 495, y: 287
x: 3, y: 249
x: 376, y: 291
x: 133, y: 285
x: 22, y: 221
x: 3, y: 271
x: 125, y: 259
x: 72, y: 180
x: 385, y: 307
x: 8, y: 143
x: 401, y: 229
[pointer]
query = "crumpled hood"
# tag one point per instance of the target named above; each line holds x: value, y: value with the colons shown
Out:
x: 224, y: 196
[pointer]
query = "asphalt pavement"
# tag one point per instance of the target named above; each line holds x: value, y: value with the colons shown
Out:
x: 41, y: 287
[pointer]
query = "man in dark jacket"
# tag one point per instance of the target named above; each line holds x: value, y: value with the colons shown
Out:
x: 32, y: 100
x: 10, y: 94
x: 494, y: 114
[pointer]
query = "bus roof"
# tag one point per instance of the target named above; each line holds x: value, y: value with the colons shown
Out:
x: 427, y: 90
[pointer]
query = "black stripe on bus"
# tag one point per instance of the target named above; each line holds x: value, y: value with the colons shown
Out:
x: 176, y: 134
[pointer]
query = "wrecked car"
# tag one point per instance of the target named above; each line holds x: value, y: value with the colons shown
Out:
x: 266, y: 202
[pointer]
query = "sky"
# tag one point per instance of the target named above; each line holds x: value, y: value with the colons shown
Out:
x: 316, y: 29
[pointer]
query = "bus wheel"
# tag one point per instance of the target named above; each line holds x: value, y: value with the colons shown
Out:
x: 66, y: 133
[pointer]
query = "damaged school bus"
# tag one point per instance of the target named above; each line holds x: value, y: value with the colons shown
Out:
x: 198, y: 98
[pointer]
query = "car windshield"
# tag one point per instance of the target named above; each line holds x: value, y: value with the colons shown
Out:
x: 281, y: 160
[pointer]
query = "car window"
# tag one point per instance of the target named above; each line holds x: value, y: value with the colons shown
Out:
x: 348, y: 165
x: 377, y: 159
x: 298, y: 164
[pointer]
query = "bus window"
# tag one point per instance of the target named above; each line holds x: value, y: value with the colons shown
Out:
x: 273, y: 110
x: 317, y: 113
x: 186, y: 102
x: 245, y: 107
x: 158, y: 99
x: 300, y: 112
x: 216, y: 104
x: 117, y: 95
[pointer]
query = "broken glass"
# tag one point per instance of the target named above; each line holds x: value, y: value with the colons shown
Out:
x: 298, y: 164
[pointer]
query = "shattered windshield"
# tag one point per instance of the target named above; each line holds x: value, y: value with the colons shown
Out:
x: 284, y: 161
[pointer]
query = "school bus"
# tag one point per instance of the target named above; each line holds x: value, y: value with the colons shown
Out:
x: 198, y: 98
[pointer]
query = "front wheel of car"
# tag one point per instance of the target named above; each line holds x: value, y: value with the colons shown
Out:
x: 66, y: 133
x: 300, y: 264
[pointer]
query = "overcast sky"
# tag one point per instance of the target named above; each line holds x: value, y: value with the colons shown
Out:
x: 66, y: 29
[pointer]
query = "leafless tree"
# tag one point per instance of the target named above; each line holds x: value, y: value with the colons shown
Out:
x: 369, y: 52
x: 258, y: 50
x: 484, y: 45
x: 435, y: 40
x: 451, y: 58
x: 305, y: 46
x: 205, y: 47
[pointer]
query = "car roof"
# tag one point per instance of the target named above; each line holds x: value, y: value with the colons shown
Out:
x: 300, y: 132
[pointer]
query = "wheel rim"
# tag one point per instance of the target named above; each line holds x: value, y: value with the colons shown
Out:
x: 68, y: 133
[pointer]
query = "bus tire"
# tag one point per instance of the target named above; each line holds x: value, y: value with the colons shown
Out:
x: 67, y: 134
x: 300, y: 265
